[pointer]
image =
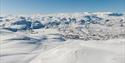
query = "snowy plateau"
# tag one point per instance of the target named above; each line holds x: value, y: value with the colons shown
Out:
x: 63, y: 38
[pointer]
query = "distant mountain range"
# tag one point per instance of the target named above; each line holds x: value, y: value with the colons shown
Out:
x: 69, y: 23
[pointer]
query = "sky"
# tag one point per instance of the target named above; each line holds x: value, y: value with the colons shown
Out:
x: 60, y: 6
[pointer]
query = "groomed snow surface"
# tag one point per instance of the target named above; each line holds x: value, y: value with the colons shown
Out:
x: 26, y: 41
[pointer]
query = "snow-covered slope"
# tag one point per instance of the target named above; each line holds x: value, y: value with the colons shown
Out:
x: 63, y: 38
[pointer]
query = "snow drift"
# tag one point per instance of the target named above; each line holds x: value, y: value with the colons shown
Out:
x: 63, y: 38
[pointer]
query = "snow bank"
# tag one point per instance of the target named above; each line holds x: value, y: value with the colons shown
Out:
x: 63, y: 38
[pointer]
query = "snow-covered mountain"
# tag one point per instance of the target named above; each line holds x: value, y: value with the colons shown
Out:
x: 103, y: 25
x: 63, y: 38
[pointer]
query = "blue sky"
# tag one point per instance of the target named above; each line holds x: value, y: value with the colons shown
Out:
x: 58, y: 6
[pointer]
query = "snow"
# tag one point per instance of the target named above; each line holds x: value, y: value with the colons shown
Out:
x: 100, y: 39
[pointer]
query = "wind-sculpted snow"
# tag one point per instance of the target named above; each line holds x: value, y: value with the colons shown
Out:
x: 44, y: 48
x: 63, y: 38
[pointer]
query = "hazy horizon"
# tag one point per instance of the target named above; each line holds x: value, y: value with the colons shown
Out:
x: 28, y: 7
